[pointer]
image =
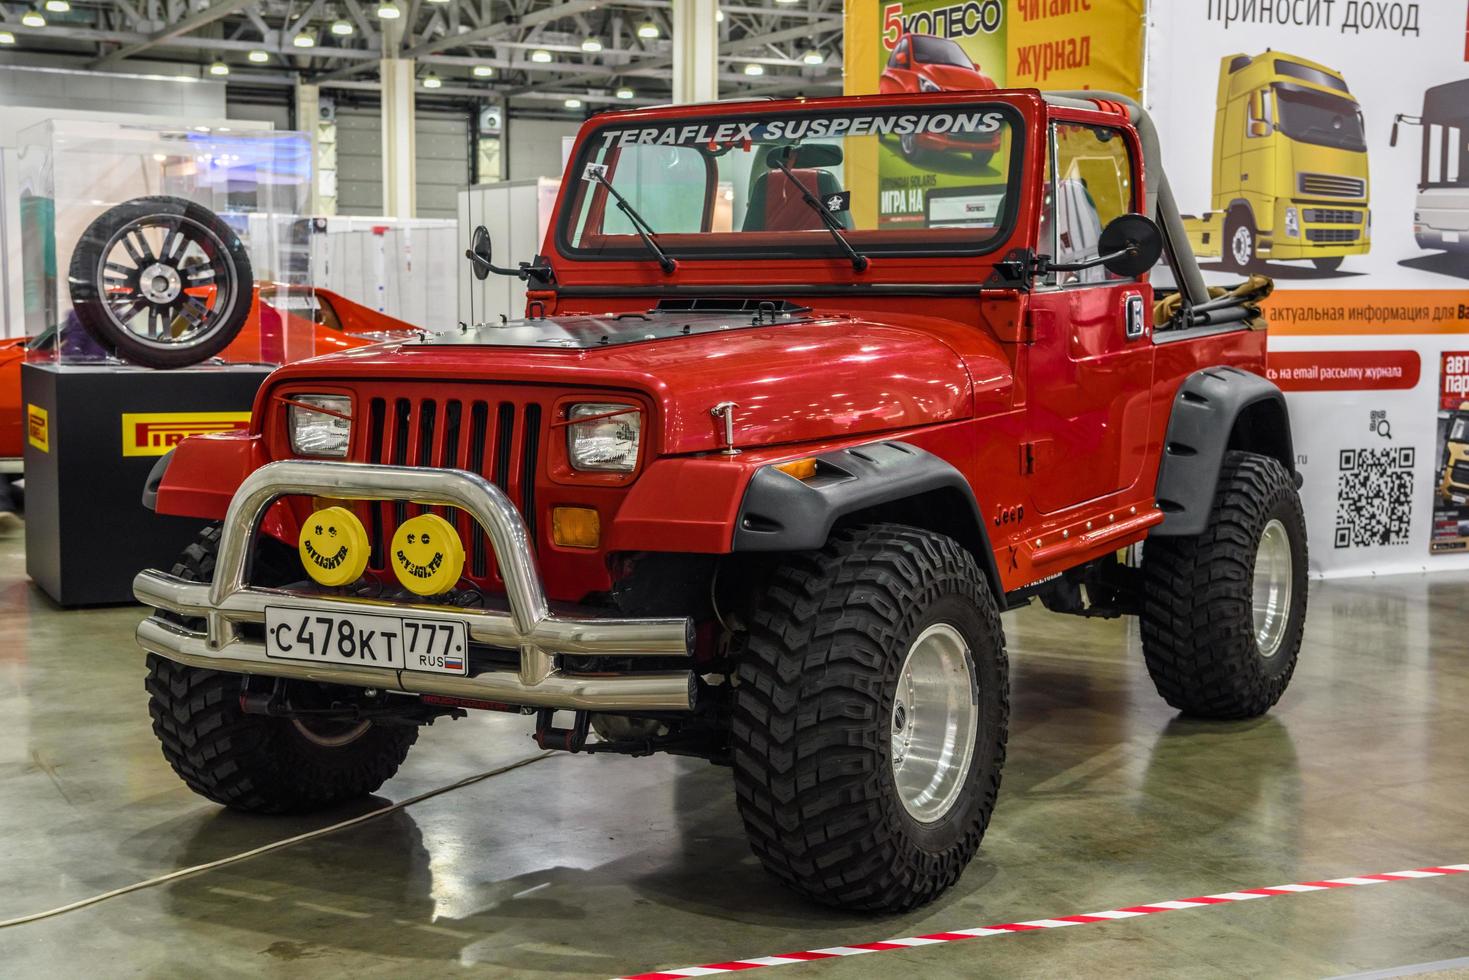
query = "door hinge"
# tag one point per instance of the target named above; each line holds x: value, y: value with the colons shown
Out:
x: 1027, y: 458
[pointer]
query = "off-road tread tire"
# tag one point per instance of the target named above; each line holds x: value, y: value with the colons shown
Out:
x: 1197, y: 630
x: 252, y: 762
x: 811, y: 724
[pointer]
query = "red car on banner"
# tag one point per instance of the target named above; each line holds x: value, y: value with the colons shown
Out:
x: 928, y: 63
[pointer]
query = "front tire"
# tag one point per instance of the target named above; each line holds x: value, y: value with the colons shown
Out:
x: 871, y: 711
x: 253, y: 762
x: 1224, y: 612
x: 1329, y: 264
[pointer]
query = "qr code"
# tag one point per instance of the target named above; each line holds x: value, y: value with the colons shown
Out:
x: 1374, y: 497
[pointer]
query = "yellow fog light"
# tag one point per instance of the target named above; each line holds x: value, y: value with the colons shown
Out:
x: 428, y: 557
x: 334, y: 547
x: 576, y: 527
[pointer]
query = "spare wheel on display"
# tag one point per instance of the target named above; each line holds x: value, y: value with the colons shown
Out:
x: 162, y: 281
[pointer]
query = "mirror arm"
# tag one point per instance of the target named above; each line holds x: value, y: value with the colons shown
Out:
x: 1044, y: 263
x: 525, y: 273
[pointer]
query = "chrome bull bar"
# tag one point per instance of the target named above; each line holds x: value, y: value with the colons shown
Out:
x: 529, y: 626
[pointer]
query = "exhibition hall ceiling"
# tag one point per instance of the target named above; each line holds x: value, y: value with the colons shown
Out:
x: 561, y: 56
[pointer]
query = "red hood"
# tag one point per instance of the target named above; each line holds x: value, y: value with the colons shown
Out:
x: 953, y: 78
x: 13, y: 349
x: 809, y: 377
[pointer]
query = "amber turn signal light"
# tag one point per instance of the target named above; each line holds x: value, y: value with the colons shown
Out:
x: 576, y: 527
x: 801, y: 469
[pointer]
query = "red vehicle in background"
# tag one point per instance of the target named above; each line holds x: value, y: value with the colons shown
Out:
x: 292, y: 324
x: 928, y: 63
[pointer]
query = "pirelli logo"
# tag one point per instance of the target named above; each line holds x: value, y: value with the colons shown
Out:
x: 38, y: 427
x: 155, y: 433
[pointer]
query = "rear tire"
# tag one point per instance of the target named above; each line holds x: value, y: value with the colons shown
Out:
x: 253, y: 762
x: 1224, y: 612
x: 855, y: 654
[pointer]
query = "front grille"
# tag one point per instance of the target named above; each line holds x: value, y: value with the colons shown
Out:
x: 1331, y: 216
x: 1331, y: 185
x: 1460, y: 474
x: 498, y: 437
x: 1331, y: 235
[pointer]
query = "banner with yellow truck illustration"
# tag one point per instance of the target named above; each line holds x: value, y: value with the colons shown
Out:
x: 1326, y: 144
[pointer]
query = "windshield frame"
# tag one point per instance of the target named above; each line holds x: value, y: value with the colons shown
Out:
x: 570, y: 203
x: 1285, y: 91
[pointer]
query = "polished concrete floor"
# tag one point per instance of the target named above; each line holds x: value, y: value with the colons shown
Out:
x: 578, y: 866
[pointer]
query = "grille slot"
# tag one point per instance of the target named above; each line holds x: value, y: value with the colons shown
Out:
x: 1335, y: 235
x: 1331, y: 185
x: 1331, y: 216
x: 499, y: 440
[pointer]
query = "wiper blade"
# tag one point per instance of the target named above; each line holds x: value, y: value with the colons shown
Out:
x: 644, y: 230
x: 859, y: 261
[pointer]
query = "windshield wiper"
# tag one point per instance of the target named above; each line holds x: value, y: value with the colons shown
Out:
x: 859, y: 261
x: 644, y: 230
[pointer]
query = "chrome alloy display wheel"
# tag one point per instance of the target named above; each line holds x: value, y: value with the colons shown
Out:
x: 1271, y: 588
x: 935, y: 720
x: 1242, y: 246
x: 166, y: 280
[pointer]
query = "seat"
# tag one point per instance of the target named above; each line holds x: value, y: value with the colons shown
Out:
x: 776, y: 204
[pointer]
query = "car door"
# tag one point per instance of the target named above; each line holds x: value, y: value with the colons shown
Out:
x: 1090, y: 360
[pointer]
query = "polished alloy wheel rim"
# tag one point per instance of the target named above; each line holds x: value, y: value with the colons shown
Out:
x: 935, y: 721
x: 1271, y: 587
x: 1243, y: 247
x: 166, y: 280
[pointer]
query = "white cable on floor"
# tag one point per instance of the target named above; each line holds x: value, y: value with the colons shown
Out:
x: 267, y: 848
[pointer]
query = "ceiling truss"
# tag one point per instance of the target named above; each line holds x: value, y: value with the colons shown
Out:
x: 531, y: 53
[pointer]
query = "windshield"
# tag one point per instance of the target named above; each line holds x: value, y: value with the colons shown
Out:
x: 1315, y: 117
x: 939, y: 51
x: 898, y: 180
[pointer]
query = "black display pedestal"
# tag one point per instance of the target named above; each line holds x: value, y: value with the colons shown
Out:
x: 93, y: 434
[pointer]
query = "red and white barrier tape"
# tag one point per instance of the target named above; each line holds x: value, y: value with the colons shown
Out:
x: 1224, y: 898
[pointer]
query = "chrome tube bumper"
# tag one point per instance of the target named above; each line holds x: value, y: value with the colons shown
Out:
x: 529, y: 626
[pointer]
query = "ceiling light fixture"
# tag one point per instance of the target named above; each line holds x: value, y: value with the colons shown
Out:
x: 625, y: 93
x: 258, y: 57
x: 648, y: 29
x: 343, y: 28
x: 58, y: 6
x: 6, y: 37
x: 541, y: 56
x: 719, y: 17
x: 388, y: 10
x: 814, y: 57
x: 484, y: 71
x: 304, y: 40
x: 572, y: 103
x: 219, y: 68
x: 432, y: 81
x: 33, y: 18
x: 591, y: 45
x: 753, y: 69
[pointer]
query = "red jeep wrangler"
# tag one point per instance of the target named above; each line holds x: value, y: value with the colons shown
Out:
x: 790, y: 421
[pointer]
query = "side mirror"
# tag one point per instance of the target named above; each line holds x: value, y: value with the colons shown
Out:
x: 480, y: 253
x: 902, y: 60
x: 1130, y: 245
x: 1259, y: 128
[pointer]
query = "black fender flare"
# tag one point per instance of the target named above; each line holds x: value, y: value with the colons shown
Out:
x: 781, y: 513
x: 155, y: 480
x: 1215, y: 410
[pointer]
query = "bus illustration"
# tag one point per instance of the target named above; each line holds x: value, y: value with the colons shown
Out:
x: 1441, y: 211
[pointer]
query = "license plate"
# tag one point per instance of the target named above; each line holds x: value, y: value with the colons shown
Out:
x: 1451, y: 237
x: 366, y: 640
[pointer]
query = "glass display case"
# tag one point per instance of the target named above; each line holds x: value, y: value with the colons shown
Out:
x: 144, y: 243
